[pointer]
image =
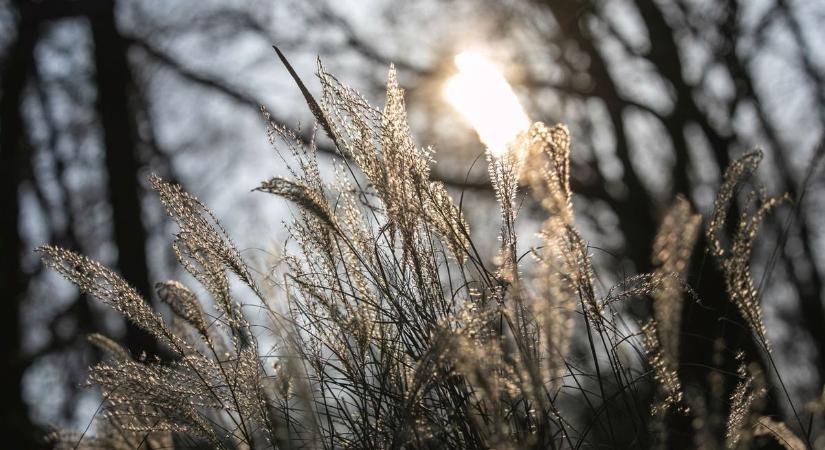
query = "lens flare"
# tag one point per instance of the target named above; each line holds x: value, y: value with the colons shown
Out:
x: 481, y: 94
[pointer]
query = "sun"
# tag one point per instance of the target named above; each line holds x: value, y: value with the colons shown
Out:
x: 485, y: 99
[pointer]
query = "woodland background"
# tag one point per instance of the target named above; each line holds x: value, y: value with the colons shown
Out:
x: 659, y: 96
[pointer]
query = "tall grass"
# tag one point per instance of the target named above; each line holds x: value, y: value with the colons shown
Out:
x: 396, y: 331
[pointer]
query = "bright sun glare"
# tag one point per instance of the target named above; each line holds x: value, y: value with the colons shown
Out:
x: 481, y: 94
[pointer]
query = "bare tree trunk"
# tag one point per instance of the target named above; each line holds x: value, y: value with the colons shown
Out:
x: 19, y: 431
x: 114, y: 81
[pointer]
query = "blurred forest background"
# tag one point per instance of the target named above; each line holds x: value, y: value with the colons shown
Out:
x: 659, y: 96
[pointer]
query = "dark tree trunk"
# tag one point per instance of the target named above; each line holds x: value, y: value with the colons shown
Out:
x: 114, y: 81
x: 19, y: 431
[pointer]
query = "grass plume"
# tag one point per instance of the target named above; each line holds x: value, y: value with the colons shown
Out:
x: 396, y: 332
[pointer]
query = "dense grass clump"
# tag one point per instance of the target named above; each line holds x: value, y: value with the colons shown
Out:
x: 398, y: 333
